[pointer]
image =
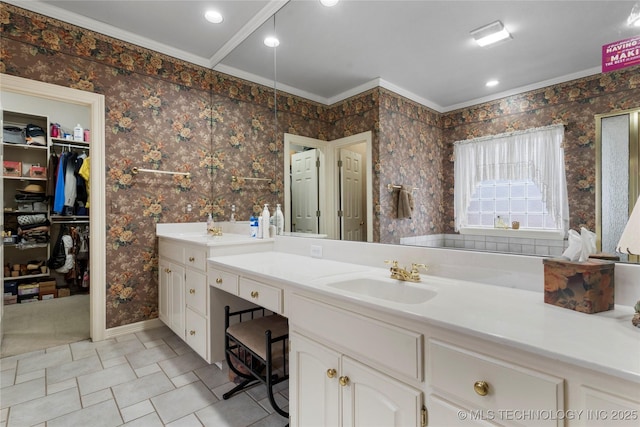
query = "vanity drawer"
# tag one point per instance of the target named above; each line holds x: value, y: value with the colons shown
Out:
x: 195, y: 257
x: 226, y: 281
x: 261, y: 294
x: 197, y: 333
x: 395, y: 348
x: 467, y: 375
x: 196, y: 291
x: 171, y: 250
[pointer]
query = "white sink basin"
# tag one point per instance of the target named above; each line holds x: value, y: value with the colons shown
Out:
x: 386, y: 289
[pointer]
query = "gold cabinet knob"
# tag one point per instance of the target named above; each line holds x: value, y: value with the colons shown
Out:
x: 192, y: 291
x: 192, y: 332
x: 481, y: 388
x: 344, y: 380
x: 219, y: 280
x: 191, y: 259
x: 254, y: 294
x: 331, y: 373
x: 166, y: 270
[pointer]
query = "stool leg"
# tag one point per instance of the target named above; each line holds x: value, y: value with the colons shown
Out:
x: 270, y: 377
x: 244, y: 384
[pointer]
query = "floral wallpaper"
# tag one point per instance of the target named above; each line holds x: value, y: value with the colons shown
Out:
x: 167, y: 114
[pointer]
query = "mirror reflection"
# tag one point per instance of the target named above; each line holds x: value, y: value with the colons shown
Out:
x: 412, y: 141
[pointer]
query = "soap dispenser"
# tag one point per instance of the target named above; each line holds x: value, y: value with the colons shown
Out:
x: 279, y: 220
x: 265, y: 221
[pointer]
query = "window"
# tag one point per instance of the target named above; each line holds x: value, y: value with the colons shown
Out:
x: 514, y: 200
x: 518, y: 176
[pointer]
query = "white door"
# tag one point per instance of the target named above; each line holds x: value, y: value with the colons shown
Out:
x: 304, y: 192
x: 314, y: 397
x: 372, y: 399
x: 351, y: 175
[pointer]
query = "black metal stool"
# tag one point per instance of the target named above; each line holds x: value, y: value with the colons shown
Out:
x: 259, y: 342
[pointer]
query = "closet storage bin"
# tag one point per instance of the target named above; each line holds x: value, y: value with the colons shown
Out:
x: 256, y: 350
x: 12, y: 168
x: 586, y: 286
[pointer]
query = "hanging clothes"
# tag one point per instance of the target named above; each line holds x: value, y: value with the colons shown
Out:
x: 81, y: 187
x: 58, y: 199
x: 70, y: 190
x: 85, y: 173
x: 51, y: 175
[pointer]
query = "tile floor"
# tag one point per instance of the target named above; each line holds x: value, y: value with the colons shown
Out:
x: 149, y: 378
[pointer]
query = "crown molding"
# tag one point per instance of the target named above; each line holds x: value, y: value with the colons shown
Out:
x: 108, y: 30
x: 523, y: 89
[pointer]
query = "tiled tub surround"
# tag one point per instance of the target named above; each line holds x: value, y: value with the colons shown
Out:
x: 513, y: 245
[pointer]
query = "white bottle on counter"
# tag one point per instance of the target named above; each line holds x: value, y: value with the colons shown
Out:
x: 233, y: 214
x: 279, y: 220
x: 265, y: 221
x: 260, y: 233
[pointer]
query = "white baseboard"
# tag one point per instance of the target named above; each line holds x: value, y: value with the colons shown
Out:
x: 132, y: 328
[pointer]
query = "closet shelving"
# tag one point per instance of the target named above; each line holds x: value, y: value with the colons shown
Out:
x: 16, y: 201
x: 19, y: 253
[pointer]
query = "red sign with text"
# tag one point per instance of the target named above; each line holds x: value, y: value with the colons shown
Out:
x: 621, y: 54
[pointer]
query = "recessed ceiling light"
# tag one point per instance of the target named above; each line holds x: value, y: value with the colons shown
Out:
x: 213, y: 16
x: 329, y: 3
x: 492, y: 83
x: 271, y: 41
x: 490, y: 34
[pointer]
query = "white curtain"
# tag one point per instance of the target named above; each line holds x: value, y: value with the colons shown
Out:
x: 534, y: 154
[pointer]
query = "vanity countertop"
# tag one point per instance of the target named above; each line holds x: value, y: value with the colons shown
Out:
x: 206, y: 240
x: 605, y: 342
x: 196, y: 233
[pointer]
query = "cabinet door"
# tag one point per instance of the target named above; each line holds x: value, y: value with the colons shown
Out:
x: 373, y: 399
x: 176, y: 305
x: 164, y: 278
x: 313, y: 384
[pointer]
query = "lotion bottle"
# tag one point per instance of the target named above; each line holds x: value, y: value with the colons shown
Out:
x: 265, y: 221
x: 78, y: 133
x: 279, y: 220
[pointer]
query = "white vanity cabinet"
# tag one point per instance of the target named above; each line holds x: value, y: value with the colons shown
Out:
x: 183, y: 293
x: 331, y: 384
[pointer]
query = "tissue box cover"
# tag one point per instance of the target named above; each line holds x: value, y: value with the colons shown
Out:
x: 586, y: 286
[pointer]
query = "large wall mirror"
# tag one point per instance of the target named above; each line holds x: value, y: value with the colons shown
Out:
x: 313, y: 196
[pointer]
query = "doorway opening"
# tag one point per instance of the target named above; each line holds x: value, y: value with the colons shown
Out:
x: 328, y: 187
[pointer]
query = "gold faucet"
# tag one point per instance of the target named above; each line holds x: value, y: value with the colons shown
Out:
x: 403, y: 274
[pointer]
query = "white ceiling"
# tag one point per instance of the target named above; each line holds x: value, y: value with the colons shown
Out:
x: 420, y: 49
